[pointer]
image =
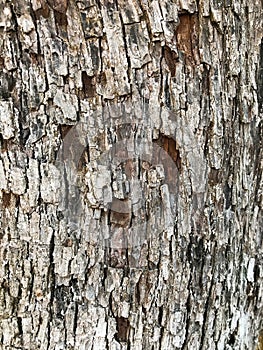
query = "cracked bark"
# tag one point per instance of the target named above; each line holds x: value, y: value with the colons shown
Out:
x: 166, y: 251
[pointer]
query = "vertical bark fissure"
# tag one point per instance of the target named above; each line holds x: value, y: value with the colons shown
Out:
x: 188, y: 315
x: 51, y: 283
x: 207, y: 306
x: 126, y: 50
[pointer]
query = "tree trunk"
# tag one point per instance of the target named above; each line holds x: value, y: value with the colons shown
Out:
x: 130, y: 173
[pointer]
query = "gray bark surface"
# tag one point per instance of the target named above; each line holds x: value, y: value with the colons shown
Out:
x: 131, y: 174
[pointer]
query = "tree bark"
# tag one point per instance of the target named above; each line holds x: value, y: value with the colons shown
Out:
x: 130, y: 174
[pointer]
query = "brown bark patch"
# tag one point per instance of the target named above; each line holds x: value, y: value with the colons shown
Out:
x: 68, y: 243
x: 64, y: 129
x: 6, y: 199
x: 260, y: 77
x: 118, y: 258
x: 102, y: 79
x: 3, y: 144
x: 60, y: 18
x: 260, y: 341
x: 215, y: 176
x: 58, y: 5
x: 187, y: 34
x: 120, y: 212
x: 170, y: 58
x: 10, y: 199
x: 88, y: 86
x: 169, y: 145
x: 43, y: 11
x: 123, y: 327
x: 2, y: 62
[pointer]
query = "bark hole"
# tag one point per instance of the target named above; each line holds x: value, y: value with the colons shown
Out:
x: 88, y: 86
x: 160, y: 315
x: 19, y: 325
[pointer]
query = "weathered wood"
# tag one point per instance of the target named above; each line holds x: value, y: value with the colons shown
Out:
x: 131, y: 174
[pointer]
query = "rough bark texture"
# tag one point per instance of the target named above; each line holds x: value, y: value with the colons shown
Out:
x: 130, y: 174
